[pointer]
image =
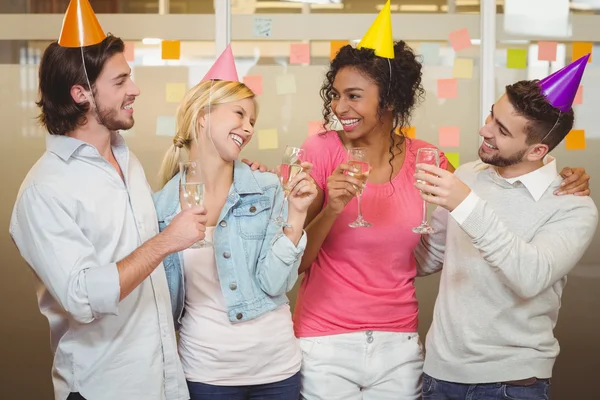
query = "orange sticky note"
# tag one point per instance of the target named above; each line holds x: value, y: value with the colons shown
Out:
x: 129, y: 51
x: 170, y: 49
x: 575, y: 140
x: 460, y: 39
x: 335, y: 46
x: 580, y: 49
x: 254, y: 82
x: 449, y: 136
x: 300, y: 53
x: 547, y: 51
x: 579, y: 95
x: 315, y: 127
x: 447, y: 88
x: 410, y: 132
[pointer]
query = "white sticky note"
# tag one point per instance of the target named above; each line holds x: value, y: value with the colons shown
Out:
x: 430, y: 53
x: 261, y: 27
x: 286, y: 84
x: 545, y: 18
x: 165, y: 126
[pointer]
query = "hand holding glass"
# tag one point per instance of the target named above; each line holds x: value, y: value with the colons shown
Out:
x: 192, y: 192
x: 432, y: 157
x: 357, y: 161
x: 289, y: 168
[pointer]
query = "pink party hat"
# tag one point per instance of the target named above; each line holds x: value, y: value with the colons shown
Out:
x: 224, y: 68
x: 561, y: 87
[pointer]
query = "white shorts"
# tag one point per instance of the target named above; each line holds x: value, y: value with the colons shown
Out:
x: 367, y: 365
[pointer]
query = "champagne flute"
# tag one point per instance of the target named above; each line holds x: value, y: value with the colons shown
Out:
x: 359, y: 166
x: 432, y: 157
x: 289, y: 168
x: 192, y: 192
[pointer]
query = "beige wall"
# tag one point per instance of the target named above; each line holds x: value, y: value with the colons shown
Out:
x: 24, y: 340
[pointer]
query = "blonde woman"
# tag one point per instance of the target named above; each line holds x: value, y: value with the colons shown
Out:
x: 236, y: 335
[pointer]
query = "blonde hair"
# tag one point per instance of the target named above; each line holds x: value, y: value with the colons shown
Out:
x: 191, y: 107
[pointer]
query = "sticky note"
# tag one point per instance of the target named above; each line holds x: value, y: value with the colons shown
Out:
x: 430, y: 53
x: 460, y: 39
x: 175, y: 92
x: 580, y: 49
x: 516, y: 58
x: 286, y: 84
x: 315, y: 127
x: 579, y: 95
x: 170, y: 49
x: 267, y: 139
x: 300, y: 53
x: 575, y: 140
x: 254, y: 82
x: 463, y: 68
x: 261, y: 27
x: 335, y: 46
x: 129, y: 51
x: 547, y: 51
x: 410, y: 132
x: 454, y: 159
x: 165, y: 126
x: 449, y: 136
x: 447, y: 88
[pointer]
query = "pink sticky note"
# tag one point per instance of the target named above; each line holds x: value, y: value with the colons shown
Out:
x: 129, y: 49
x: 447, y: 88
x: 315, y: 127
x: 579, y: 96
x: 547, y: 51
x: 460, y: 39
x: 449, y: 136
x: 300, y: 53
x: 254, y: 82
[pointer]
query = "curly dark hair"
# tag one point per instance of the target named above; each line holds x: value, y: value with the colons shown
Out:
x: 528, y: 101
x: 61, y: 68
x: 402, y: 93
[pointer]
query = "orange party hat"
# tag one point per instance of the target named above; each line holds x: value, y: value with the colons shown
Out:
x: 80, y: 26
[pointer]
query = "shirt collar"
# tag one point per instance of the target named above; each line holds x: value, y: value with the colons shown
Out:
x: 539, y: 180
x: 65, y: 146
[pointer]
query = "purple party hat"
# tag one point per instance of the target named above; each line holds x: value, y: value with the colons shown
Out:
x: 561, y: 87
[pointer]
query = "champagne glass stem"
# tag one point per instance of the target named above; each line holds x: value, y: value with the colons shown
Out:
x: 358, y: 200
x: 424, y: 220
x: 282, y: 205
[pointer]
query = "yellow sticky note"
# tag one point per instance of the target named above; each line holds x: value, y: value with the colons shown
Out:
x: 267, y: 139
x: 454, y: 159
x: 175, y: 92
x: 516, y: 58
x: 580, y: 49
x: 335, y: 46
x: 170, y: 49
x: 575, y: 140
x: 463, y: 68
x: 286, y: 84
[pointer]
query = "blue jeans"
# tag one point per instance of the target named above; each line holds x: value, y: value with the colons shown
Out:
x: 287, y: 389
x: 435, y: 389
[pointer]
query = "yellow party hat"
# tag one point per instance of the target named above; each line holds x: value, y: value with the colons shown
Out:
x: 379, y: 36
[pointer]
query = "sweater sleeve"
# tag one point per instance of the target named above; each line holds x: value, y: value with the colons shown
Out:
x: 529, y: 268
x: 429, y: 253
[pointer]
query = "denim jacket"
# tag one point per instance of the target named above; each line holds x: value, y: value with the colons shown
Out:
x: 256, y: 263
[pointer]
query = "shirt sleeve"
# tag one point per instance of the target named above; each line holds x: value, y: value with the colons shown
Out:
x: 52, y: 243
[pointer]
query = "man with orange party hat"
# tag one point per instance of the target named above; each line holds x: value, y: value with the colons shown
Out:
x: 506, y: 244
x: 85, y: 223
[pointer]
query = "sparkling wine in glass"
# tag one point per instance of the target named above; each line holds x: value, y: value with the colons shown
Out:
x: 359, y: 166
x: 192, y: 192
x: 432, y: 157
x: 289, y: 168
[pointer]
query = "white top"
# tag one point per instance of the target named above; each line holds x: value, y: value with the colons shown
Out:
x: 217, y: 352
x: 505, y: 258
x: 74, y: 218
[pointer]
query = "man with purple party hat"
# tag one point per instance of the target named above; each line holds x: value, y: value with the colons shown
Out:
x: 505, y: 244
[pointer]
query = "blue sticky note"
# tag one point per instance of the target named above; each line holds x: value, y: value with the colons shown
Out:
x: 430, y: 53
x: 165, y: 126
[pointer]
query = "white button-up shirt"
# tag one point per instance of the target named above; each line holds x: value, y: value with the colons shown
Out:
x: 74, y: 218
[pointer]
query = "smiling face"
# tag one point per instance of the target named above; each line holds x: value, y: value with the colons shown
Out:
x: 114, y: 94
x: 504, y: 136
x: 355, y: 102
x: 231, y: 126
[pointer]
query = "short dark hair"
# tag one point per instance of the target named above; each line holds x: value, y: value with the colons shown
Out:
x: 60, y: 69
x: 528, y: 101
